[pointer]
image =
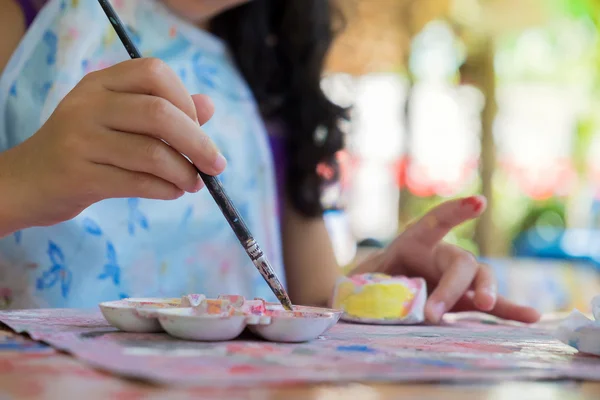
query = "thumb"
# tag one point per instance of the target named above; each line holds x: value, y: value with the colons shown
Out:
x: 436, y: 224
x: 205, y: 108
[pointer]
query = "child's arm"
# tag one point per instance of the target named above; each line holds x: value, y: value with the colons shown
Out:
x: 310, y: 265
x: 12, y: 29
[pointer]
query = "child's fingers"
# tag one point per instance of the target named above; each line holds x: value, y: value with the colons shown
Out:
x: 153, y: 116
x: 503, y: 308
x: 148, y: 76
x: 506, y: 309
x: 484, y: 286
x: 453, y: 284
x: 113, y: 182
x: 205, y: 108
x: 141, y: 153
x: 436, y: 224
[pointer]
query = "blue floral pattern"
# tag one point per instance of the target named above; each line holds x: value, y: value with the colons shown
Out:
x: 112, y: 270
x: 91, y: 227
x: 136, y: 218
x: 58, y: 272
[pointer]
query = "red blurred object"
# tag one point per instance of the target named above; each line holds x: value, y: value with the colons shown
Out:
x: 543, y: 181
x: 417, y: 179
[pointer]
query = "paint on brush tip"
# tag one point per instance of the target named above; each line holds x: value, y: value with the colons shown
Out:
x: 262, y: 264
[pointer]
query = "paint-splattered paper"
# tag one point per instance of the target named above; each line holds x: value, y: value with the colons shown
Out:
x: 465, y: 349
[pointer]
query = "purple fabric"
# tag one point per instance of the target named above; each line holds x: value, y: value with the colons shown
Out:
x: 276, y: 139
x: 277, y: 142
x: 30, y: 9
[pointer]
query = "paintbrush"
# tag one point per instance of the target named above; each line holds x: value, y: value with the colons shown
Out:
x: 215, y: 187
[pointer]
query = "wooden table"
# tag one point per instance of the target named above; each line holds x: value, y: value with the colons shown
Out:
x: 43, y: 373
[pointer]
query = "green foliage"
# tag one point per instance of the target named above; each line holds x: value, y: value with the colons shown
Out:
x: 579, y: 8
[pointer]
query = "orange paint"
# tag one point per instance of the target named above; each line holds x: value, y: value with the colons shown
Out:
x: 214, y: 306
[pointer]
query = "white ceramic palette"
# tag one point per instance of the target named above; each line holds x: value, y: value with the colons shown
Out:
x: 195, y: 317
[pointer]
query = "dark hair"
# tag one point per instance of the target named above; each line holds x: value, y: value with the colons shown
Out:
x: 280, y: 47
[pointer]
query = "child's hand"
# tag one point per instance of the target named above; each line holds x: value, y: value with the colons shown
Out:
x: 106, y: 139
x: 459, y: 282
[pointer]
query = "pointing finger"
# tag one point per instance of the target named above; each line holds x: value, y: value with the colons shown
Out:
x: 436, y: 224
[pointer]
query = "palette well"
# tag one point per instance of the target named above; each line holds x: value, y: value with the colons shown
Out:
x: 136, y: 315
x: 195, y: 317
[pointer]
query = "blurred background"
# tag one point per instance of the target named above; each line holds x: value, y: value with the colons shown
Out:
x: 456, y: 97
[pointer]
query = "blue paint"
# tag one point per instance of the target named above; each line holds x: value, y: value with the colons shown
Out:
x: 435, y: 362
x: 21, y: 346
x: 356, y: 349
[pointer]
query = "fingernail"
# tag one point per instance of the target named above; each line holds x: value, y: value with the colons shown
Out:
x: 491, y: 291
x: 220, y: 163
x: 198, y: 186
x: 487, y: 304
x: 473, y: 202
x: 437, y: 310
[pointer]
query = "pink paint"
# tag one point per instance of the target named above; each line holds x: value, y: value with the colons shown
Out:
x: 236, y: 301
x: 254, y: 307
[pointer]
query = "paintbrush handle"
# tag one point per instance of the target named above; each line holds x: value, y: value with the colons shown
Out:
x: 215, y: 187
x: 232, y: 215
x: 237, y: 224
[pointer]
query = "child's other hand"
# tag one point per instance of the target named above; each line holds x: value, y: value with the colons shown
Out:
x: 456, y: 280
x: 107, y: 139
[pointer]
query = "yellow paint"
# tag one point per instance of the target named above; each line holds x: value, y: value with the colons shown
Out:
x: 75, y: 3
x: 344, y: 290
x: 214, y: 306
x: 378, y: 301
